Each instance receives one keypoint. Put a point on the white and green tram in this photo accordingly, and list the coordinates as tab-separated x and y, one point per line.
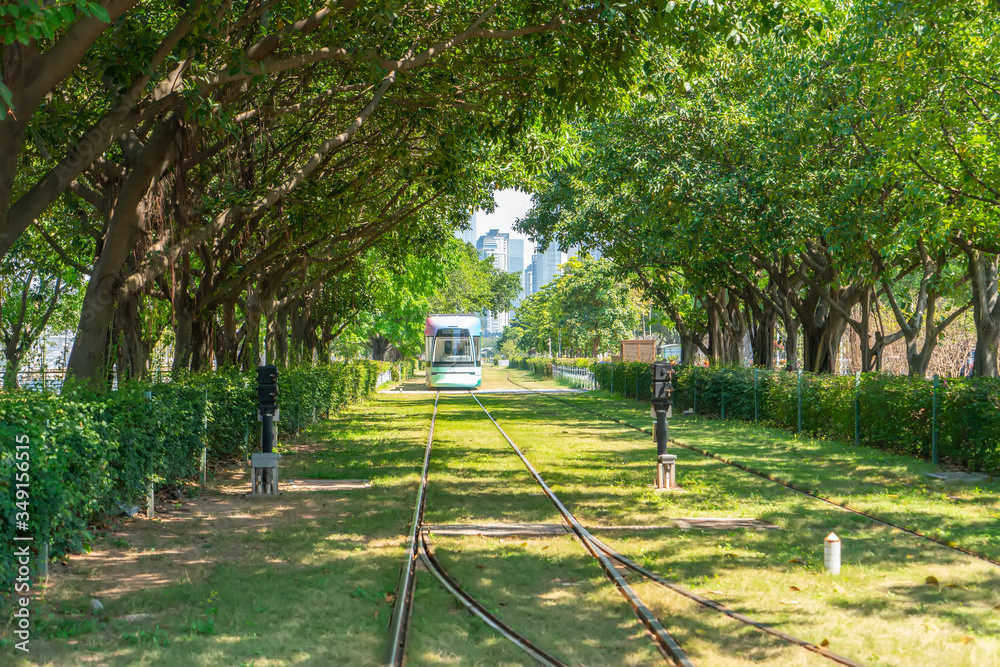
452	351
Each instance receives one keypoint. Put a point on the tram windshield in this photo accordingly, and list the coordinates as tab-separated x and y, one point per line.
453	347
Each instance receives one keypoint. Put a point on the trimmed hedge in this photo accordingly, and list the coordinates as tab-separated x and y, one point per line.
91	452
630	379
894	413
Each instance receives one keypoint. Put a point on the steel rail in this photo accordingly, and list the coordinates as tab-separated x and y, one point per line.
664	640
722	609
478	609
400	621
712	604
763	475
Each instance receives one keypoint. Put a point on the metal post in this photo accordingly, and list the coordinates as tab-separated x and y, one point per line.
246	444
42	570
661	433
857	408
612	378
934	424
800	398
722	393
150	502
204	446
756	410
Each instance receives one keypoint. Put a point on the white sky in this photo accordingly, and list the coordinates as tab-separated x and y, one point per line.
511	205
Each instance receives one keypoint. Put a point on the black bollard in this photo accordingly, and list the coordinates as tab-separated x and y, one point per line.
661	393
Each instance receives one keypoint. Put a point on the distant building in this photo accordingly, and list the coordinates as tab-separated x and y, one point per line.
468	235
496	323
496	245
515	260
545	266
526	280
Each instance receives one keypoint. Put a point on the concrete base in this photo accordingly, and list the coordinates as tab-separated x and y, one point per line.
264	473
501	529
666	475
959	476
326	484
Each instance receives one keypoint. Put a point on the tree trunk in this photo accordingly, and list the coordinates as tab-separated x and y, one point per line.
183	337
380	345
228	343
130	349
762	337
12	364
126	225
983	274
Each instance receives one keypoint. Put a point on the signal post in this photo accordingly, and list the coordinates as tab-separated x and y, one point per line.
264	464
662	393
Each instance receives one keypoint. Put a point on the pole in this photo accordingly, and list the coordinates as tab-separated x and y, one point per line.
756	411
800	398
722	393
696	394
612	377
661	433
204	444
934	424
857	408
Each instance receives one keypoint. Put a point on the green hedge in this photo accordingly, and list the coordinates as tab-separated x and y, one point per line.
894	413
630	379
90	452
542	366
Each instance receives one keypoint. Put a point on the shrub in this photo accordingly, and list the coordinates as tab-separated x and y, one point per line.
895	413
92	452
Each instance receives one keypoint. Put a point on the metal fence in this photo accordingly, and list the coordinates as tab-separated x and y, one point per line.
578	377
52	379
383	378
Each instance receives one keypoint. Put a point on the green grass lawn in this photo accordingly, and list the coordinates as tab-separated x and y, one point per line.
879	610
308	579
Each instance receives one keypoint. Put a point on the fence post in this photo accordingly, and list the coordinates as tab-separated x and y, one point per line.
934	424
612	378
204	446
695	394
722	392
756	411
857	407
800	398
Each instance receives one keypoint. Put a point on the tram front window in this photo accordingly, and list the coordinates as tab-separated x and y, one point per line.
453	347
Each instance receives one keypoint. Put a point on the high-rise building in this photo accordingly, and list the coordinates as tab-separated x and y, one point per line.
497	245
468	235
527	281
545	266
516	264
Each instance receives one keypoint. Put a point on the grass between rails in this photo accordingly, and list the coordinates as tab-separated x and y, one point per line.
880	610
880	483
549	589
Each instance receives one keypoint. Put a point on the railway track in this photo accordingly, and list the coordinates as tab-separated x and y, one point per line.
606	554
419	549
770	478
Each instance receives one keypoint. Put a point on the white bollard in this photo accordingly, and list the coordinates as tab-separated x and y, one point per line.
831	553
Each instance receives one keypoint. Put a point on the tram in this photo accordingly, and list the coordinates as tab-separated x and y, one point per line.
452	351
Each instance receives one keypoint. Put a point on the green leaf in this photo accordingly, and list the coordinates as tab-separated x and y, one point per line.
100	13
